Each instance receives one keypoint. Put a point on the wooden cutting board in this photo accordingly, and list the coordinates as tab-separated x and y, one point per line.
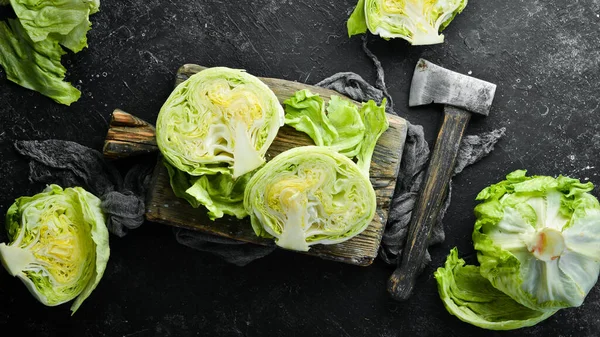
129	136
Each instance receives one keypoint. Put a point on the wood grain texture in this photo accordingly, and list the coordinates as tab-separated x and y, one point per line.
128	136
430	201
164	207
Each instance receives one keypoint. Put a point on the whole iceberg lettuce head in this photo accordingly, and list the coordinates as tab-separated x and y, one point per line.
58	244
309	195
420	22
538	239
220	120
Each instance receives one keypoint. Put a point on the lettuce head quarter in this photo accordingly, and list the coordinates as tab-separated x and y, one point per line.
58	244
309	195
220	120
420	22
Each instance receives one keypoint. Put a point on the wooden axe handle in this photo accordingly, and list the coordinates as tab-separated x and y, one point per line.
431	199
128	136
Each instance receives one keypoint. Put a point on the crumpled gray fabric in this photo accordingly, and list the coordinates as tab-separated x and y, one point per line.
355	87
71	164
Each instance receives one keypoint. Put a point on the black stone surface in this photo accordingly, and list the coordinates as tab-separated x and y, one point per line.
543	55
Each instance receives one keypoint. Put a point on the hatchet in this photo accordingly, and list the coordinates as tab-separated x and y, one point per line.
461	96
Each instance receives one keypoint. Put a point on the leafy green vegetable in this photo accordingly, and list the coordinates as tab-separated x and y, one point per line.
376	123
339	126
538	239
357	22
305	112
472	298
309	195
66	21
34	65
220	120
213	132
538	243
30	47
417	21
58	244
219	193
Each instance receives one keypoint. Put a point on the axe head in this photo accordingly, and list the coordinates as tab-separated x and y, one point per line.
434	84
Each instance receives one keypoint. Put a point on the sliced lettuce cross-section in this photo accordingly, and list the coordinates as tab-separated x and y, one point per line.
220	120
213	132
309	195
420	22
58	244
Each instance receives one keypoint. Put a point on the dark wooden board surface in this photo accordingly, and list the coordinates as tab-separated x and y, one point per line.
164	207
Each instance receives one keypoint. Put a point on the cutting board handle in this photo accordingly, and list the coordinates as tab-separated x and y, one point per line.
128	136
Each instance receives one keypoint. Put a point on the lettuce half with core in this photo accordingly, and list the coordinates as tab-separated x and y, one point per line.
339	125
220	120
420	22
58	244
538	242
213	132
309	195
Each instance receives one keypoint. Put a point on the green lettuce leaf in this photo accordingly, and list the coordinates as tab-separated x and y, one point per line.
357	23
340	126
66	21
305	112
219	193
376	123
34	65
472	298
349	126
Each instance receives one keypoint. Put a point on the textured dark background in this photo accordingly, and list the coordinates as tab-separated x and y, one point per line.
543	55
